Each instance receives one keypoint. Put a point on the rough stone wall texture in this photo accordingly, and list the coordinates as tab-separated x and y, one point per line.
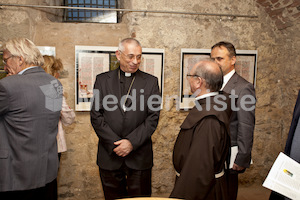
276	40
283	13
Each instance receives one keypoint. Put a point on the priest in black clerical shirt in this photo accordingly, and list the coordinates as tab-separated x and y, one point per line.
124	118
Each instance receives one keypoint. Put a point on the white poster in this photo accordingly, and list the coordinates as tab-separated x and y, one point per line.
284	177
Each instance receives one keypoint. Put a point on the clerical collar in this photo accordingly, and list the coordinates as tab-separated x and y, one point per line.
126	74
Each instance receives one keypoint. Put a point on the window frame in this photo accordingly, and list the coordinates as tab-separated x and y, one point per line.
91	16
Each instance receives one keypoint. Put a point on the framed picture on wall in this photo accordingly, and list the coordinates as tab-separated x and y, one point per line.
93	60
246	66
2	71
47	50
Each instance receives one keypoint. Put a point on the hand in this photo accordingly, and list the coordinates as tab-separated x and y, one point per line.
124	147
9	74
237	167
9	71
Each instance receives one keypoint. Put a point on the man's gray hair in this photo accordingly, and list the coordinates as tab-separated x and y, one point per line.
127	41
23	47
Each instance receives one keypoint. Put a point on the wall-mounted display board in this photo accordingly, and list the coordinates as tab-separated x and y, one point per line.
246	64
2	71
47	50
93	60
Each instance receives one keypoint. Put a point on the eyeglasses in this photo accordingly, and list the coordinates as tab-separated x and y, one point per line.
192	75
6	59
131	56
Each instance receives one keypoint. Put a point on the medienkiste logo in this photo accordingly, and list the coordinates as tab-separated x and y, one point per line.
53	95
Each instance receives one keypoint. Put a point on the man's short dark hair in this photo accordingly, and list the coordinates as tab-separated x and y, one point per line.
228	46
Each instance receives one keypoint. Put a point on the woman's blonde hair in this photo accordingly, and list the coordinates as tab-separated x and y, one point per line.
52	65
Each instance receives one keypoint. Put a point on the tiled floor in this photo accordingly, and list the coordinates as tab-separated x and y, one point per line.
254	192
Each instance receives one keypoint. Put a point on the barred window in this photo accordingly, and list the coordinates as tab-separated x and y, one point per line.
84	15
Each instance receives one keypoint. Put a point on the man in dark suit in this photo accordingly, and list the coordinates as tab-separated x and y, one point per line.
30	104
242	120
124	116
292	147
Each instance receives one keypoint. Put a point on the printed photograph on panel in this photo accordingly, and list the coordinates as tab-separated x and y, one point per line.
93	60
89	66
245	66
2	72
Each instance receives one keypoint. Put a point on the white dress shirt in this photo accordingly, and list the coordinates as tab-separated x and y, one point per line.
227	77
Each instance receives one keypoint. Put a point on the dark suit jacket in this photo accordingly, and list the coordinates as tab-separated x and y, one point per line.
136	126
294	123
241	122
28	150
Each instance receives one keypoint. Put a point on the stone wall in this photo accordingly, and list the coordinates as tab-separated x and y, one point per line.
277	81
283	13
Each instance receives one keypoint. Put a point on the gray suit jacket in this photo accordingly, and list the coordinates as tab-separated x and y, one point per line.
28	129
136	126
242	121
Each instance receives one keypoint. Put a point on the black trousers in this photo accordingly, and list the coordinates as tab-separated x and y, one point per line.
49	192
233	183
276	196
125	183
